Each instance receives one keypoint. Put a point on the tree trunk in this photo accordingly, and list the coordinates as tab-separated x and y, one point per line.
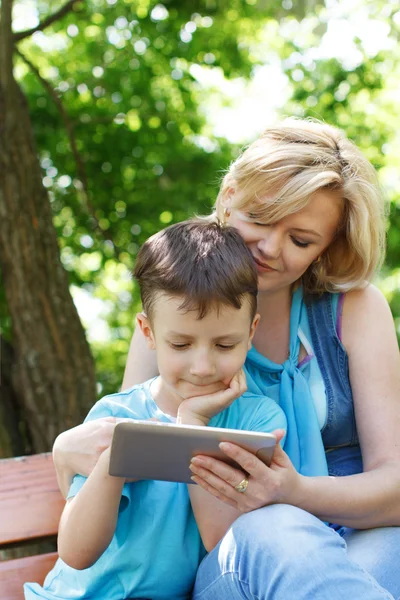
13	437
52	373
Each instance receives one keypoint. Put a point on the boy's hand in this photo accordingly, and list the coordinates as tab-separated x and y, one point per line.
200	409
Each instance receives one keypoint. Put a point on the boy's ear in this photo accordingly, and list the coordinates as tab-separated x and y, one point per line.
143	322
253	328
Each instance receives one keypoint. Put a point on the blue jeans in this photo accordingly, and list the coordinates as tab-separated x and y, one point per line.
281	552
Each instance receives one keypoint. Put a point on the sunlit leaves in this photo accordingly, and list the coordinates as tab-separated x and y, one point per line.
130	75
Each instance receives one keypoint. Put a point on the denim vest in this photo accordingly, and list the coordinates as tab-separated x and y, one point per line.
339	434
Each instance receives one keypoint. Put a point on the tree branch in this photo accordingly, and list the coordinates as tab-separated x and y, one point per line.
80	165
49	21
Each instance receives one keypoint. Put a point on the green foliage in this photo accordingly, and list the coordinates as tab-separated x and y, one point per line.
125	73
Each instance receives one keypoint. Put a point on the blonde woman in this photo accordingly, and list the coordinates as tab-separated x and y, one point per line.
323	520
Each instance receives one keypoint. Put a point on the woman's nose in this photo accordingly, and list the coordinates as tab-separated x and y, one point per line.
270	244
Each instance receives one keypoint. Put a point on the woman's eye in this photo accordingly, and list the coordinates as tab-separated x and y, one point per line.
258	223
253	218
299	243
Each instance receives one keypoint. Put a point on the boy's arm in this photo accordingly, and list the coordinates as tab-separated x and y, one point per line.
213	516
89	519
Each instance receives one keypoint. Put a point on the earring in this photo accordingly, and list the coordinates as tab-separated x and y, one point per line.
227	213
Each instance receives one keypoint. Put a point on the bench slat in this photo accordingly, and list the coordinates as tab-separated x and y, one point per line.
30	501
14	573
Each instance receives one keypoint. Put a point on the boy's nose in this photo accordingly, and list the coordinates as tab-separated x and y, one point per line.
203	365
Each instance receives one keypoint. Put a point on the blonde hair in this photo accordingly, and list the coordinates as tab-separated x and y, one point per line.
292	161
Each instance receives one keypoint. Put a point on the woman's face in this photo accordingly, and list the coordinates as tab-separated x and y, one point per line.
284	250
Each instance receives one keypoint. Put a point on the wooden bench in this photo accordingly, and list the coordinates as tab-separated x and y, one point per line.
30	510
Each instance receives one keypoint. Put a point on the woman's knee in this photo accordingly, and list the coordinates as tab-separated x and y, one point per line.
278	551
279	520
276	515
377	552
281	533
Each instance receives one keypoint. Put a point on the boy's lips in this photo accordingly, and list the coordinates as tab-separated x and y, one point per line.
202	385
208	388
265	266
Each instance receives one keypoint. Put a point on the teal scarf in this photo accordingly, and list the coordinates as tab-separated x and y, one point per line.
288	386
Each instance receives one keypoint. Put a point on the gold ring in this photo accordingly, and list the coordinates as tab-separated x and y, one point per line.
242	486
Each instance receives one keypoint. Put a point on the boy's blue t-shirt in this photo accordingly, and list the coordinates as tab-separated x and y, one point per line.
156	548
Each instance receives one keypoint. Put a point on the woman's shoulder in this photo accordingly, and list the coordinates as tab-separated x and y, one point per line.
364	310
366	299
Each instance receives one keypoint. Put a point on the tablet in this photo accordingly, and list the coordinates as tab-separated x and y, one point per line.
162	451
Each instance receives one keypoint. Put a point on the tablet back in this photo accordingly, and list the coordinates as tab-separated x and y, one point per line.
162	451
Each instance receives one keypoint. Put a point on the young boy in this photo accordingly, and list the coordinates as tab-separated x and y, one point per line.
145	539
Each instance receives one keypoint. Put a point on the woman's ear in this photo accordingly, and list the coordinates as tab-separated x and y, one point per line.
226	204
143	322
253	328
226	200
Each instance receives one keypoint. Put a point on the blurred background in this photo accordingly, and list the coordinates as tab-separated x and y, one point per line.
134	109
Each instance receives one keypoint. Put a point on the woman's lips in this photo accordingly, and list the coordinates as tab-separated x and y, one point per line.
263	266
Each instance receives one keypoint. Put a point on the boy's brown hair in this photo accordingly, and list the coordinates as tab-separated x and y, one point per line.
207	263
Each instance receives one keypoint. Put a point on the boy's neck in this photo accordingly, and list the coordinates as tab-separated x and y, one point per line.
166	399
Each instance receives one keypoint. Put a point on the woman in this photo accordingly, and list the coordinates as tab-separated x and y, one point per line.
308	206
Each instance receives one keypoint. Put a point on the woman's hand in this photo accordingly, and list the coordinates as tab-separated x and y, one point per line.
83	445
200	409
278	483
77	450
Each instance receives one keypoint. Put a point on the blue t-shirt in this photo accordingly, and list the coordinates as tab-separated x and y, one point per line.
156	548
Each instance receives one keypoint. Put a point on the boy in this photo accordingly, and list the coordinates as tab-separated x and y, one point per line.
145	539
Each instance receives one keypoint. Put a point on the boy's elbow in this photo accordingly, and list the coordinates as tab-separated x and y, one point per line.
76	560
209	547
210	541
76	564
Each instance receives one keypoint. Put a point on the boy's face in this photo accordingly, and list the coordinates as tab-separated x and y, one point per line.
198	357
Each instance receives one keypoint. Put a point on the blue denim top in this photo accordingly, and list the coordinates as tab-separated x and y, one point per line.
333	441
339	433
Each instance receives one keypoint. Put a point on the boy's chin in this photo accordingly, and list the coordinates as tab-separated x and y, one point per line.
194	391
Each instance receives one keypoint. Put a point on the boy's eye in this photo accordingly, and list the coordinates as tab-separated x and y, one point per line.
226	346
299	243
178	346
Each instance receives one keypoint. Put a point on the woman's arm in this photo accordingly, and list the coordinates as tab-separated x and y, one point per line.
369	499
78	450
141	363
89	519
369	337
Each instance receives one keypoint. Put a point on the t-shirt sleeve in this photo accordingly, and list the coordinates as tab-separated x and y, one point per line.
267	417
111	406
